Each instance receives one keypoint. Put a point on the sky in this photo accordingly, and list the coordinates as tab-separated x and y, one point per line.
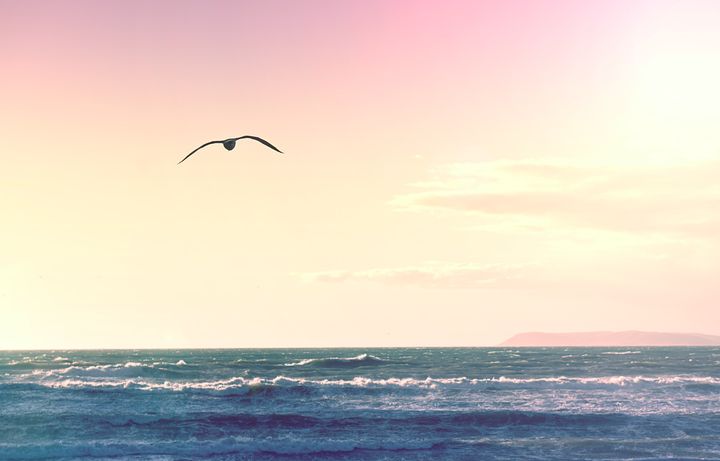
455	172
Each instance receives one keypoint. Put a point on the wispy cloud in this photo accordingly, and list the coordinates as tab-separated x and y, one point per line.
679	200
429	275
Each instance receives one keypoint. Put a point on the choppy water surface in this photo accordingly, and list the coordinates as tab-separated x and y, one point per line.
485	403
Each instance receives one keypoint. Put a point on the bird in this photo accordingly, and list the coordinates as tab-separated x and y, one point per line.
229	144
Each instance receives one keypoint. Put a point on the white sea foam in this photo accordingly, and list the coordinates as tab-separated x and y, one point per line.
127	369
181	363
615	380
621	353
240	383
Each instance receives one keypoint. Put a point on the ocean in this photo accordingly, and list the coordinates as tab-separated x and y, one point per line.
361	404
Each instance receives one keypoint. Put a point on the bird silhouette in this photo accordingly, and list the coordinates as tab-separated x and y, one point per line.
229	144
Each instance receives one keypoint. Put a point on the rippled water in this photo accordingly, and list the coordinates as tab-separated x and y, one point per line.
484	403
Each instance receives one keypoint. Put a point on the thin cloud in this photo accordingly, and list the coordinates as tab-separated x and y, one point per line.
429	275
681	200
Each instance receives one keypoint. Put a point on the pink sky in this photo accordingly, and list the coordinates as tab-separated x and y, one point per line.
456	172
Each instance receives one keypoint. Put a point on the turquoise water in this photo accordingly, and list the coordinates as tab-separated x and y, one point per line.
374	404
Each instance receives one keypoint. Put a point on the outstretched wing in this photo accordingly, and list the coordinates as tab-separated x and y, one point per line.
206	144
260	140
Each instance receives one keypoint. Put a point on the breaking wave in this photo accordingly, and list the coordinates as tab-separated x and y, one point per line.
248	385
621	352
357	361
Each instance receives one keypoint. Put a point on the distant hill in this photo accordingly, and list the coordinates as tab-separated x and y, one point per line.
612	338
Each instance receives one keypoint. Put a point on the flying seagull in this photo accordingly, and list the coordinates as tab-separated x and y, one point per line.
229	144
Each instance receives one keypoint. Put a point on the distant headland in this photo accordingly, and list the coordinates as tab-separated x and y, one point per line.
611	338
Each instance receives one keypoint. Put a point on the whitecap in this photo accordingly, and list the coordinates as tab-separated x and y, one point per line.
53	378
358	360
300	363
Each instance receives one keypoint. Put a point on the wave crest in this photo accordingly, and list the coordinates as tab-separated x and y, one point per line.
357	361
257	385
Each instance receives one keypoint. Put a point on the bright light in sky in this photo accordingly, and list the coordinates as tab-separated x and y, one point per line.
455	172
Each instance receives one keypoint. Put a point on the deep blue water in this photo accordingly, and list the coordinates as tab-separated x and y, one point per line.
361	404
